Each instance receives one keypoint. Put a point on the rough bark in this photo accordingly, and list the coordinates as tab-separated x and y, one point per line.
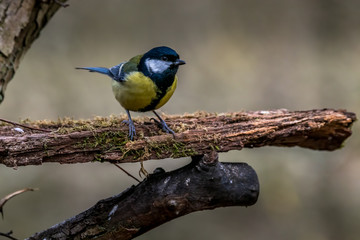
203	184
105	139
20	24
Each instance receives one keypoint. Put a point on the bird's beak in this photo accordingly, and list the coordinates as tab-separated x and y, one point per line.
178	62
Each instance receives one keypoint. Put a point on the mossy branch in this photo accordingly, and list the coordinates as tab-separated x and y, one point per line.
105	139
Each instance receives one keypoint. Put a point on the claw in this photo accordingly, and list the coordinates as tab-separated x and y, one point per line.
161	123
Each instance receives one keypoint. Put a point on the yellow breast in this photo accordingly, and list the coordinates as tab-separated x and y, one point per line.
139	91
136	93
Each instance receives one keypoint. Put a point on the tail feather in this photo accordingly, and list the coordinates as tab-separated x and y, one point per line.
102	70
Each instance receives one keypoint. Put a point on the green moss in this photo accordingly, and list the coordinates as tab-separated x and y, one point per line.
68	125
175	149
181	150
214	147
172	149
98	158
106	141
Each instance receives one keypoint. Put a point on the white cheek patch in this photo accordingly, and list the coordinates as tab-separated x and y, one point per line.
156	66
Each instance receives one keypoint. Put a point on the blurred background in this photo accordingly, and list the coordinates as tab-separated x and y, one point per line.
241	55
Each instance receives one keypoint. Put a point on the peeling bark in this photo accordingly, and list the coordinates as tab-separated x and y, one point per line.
105	139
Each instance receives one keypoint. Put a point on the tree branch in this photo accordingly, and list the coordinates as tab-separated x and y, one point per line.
21	23
203	184
105	139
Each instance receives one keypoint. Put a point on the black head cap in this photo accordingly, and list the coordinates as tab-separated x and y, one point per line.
161	52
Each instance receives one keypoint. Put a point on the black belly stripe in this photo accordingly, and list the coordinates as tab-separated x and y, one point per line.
162	90
154	102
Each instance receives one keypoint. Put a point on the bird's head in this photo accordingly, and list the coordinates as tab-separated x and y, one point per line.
160	61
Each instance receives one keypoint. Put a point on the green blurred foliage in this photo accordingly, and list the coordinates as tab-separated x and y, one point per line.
241	55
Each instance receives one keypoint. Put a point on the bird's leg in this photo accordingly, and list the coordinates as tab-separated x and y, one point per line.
132	131
162	124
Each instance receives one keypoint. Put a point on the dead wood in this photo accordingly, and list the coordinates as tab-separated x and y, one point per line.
203	184
105	139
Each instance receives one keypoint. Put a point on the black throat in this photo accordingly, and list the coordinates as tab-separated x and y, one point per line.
163	82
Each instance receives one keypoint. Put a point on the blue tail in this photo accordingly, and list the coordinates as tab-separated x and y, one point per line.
102	70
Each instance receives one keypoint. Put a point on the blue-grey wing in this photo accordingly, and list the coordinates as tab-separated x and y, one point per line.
117	72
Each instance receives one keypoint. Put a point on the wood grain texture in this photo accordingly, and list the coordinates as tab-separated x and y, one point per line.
105	139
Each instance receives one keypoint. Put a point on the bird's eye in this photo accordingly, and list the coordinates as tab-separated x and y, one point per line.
164	58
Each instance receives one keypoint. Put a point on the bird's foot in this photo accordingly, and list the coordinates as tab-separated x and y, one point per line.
132	131
162	124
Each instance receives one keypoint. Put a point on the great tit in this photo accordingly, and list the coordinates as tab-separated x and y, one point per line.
144	83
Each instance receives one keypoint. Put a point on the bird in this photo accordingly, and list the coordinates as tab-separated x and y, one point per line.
144	83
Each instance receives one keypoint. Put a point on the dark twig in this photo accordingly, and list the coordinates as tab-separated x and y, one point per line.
8	235
24	126
127	173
